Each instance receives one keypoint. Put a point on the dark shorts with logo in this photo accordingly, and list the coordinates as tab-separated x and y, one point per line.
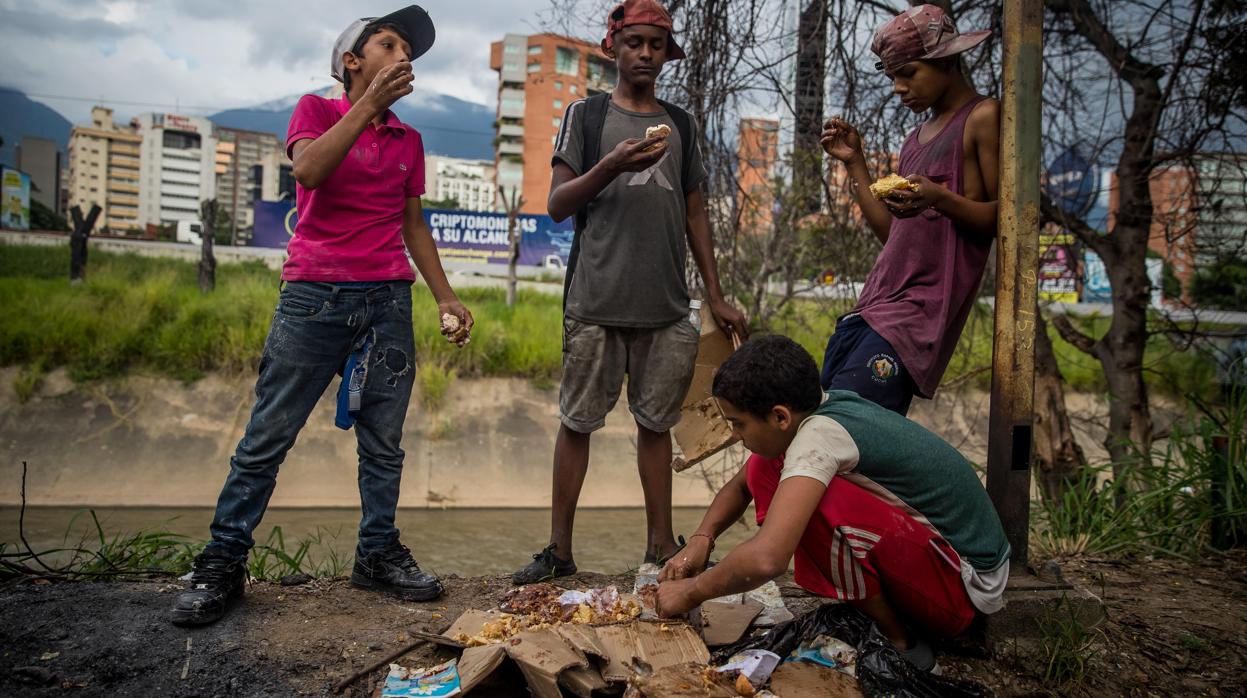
858	359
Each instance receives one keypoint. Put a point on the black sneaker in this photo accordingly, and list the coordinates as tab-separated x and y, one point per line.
544	567
395	571
216	582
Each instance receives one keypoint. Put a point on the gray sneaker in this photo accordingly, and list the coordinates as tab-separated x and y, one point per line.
544	567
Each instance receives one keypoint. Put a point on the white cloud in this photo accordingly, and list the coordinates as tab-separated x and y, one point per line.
203	57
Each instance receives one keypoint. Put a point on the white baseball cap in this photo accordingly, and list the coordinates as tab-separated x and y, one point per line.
414	22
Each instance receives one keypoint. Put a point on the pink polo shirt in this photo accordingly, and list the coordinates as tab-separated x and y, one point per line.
350	227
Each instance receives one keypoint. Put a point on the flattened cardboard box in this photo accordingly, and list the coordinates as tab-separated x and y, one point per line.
702	431
580	658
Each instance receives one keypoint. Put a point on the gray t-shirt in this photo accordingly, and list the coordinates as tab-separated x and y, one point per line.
633	249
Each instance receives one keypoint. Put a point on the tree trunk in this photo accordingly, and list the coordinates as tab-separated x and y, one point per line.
514	203
1058	457
78	242
1120	352
207	259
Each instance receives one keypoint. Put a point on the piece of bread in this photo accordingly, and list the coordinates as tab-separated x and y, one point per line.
886	185
661	131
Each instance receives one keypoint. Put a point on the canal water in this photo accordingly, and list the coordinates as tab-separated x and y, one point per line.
468	542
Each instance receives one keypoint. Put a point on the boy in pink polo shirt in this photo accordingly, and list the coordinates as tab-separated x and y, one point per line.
345	306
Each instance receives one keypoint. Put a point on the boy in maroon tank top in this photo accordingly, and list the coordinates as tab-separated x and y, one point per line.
898	339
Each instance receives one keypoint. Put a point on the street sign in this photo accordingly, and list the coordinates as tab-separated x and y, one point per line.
1071	183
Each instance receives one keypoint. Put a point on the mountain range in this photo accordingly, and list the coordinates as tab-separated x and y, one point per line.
449	126
22	116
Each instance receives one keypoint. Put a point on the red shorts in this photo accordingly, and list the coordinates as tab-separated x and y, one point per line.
857	546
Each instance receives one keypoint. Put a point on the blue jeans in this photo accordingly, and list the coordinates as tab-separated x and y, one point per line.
315	328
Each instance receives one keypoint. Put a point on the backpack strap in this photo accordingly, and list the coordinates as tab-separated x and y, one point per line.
683	124
591	139
591	146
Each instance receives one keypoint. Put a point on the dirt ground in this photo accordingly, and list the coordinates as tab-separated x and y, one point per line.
1172	629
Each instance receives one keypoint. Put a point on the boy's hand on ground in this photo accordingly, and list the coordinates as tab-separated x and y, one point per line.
689	562
730	320
391	84
463	332
841	140
675	598
907	204
633	155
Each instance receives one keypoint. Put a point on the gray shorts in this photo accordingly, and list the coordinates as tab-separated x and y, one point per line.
657	361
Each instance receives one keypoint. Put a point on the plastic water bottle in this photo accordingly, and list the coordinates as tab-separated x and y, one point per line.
694	314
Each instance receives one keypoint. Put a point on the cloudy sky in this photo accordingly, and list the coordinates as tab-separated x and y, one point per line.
206	55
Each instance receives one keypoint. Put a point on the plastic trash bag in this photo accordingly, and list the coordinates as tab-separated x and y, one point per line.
881	671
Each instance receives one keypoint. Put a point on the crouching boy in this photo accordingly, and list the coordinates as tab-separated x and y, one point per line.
878	512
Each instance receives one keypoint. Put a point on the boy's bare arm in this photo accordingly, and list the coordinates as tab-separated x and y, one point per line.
759	559
569	193
728	506
423	251
700	241
977	209
842	141
316	159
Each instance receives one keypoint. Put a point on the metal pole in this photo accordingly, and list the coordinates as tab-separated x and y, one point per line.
1009	444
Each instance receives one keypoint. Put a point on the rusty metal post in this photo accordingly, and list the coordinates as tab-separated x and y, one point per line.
1009	443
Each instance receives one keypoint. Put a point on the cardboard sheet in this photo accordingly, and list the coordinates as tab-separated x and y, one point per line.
580	658
702	431
725	623
811	680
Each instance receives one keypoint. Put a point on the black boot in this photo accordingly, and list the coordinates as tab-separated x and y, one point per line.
544	567
394	570
216	582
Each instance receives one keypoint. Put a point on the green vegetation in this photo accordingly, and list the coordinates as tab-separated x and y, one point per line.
139	313
1069	643
127	555
1171	370
1163	505
433	380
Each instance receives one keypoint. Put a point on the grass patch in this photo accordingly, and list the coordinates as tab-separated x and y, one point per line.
433	381
148	314
28	381
111	557
1068	643
1162	504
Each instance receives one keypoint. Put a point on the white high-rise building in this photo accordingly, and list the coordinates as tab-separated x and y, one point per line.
178	167
470	182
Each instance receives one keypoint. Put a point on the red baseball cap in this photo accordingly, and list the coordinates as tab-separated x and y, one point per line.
920	33
630	12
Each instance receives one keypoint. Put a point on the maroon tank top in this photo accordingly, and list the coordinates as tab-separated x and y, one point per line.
925	280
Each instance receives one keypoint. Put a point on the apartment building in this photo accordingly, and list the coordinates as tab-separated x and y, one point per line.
245	172
104	166
470	182
178	166
757	150
538	76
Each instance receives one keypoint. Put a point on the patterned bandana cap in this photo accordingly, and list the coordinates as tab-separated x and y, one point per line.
632	12
920	33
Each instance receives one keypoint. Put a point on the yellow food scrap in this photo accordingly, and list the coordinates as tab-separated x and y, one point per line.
886	185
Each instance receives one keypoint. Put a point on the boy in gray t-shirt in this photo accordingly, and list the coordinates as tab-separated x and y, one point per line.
627	300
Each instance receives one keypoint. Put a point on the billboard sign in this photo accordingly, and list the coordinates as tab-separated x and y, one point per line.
470	236
1058	268
461	236
1095	284
14	199
1071	183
